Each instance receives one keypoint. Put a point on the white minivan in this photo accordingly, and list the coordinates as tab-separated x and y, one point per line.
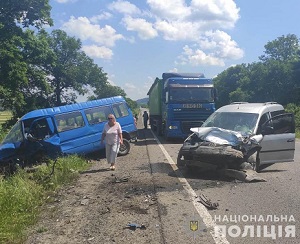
239	123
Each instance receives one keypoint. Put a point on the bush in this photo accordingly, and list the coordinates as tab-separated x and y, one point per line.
295	109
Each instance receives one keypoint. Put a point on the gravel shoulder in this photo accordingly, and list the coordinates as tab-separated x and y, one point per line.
143	190
99	206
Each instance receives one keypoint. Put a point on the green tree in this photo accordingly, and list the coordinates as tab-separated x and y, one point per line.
108	91
227	82
275	78
18	14
16	67
72	70
284	48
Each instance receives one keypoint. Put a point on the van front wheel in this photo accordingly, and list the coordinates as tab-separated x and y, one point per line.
125	148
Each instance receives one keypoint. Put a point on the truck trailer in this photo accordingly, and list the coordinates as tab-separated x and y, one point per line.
180	101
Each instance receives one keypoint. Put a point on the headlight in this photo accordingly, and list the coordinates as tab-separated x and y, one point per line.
173	127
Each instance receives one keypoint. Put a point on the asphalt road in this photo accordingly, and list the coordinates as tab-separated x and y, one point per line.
261	212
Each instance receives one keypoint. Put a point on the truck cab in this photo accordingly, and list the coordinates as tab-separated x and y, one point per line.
180	101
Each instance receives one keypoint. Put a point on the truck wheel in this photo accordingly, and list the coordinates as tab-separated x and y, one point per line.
125	148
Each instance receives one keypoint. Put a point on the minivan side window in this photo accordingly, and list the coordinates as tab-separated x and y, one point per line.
69	121
262	120
97	115
282	124
120	110
274	113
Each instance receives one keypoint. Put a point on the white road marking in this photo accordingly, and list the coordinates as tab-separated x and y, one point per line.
202	211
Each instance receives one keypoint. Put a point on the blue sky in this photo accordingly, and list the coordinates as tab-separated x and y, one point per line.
135	41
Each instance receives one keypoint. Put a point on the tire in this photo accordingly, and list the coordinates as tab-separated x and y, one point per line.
125	148
255	162
180	162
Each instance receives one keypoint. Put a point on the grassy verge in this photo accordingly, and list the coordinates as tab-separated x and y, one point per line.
23	194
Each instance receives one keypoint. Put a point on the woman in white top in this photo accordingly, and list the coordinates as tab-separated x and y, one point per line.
112	132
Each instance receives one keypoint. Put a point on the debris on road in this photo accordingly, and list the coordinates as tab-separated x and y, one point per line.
207	202
120	179
248	175
133	226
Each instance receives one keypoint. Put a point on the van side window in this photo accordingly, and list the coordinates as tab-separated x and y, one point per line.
120	110
97	115
274	113
40	129
69	121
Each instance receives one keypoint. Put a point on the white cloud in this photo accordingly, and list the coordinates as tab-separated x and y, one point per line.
178	30
174	70
145	29
85	30
175	20
97	18
224	46
214	49
216	12
124	7
198	57
170	9
200	23
94	51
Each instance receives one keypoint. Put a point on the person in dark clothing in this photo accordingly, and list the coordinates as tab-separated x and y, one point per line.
145	117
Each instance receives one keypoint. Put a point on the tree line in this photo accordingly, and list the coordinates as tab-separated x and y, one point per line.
40	69
274	78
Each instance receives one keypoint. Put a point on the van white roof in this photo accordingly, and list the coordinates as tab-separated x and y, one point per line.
258	108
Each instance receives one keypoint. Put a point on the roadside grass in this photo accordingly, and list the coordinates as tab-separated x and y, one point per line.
23	194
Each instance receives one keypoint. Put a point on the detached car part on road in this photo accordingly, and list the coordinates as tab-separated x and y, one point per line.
259	134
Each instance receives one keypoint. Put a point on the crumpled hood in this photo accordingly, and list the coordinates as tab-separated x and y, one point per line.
225	137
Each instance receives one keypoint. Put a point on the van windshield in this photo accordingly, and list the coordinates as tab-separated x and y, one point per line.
242	122
15	134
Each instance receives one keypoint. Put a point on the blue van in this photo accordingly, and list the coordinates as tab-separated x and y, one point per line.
68	129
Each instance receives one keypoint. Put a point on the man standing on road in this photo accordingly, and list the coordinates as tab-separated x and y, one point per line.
145	117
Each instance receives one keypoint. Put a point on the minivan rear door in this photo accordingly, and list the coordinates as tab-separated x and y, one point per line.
278	144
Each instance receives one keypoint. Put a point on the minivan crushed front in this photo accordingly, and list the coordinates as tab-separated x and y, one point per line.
217	148
241	135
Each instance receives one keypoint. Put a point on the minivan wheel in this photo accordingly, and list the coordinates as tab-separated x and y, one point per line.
256	165
125	148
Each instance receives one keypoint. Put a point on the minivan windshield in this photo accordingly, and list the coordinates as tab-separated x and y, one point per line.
242	122
15	134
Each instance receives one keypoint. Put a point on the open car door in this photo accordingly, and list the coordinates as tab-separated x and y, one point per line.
278	144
